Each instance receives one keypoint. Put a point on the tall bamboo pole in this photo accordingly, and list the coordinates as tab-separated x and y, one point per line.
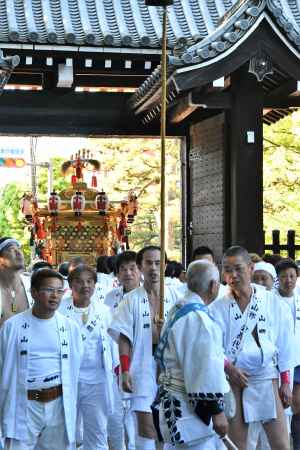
163	163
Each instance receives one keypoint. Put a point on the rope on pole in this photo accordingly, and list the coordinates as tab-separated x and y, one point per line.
163	163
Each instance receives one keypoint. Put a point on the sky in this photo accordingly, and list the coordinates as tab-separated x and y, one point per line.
47	147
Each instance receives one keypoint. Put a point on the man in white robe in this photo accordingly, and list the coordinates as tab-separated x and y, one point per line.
40	355
137	329
129	278
95	389
14	286
287	292
191	357
257	337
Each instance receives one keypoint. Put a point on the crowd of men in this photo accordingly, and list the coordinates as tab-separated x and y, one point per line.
86	361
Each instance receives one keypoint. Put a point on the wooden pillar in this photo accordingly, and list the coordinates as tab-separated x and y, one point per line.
244	163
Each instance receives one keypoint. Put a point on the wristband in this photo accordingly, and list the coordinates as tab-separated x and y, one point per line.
285	377
125	363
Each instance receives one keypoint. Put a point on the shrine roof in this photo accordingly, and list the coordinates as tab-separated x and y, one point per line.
107	23
228	30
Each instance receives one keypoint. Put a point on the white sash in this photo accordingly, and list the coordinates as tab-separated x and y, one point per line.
243	324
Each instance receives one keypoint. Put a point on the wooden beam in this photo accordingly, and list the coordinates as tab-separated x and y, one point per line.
195	100
64	112
285	89
244	166
282	103
215	100
183	108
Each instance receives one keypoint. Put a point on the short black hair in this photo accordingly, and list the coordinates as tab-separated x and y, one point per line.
111	263
174	269
40	275
79	270
125	257
237	250
102	264
284	264
76	261
148	248
41	265
63	268
203	250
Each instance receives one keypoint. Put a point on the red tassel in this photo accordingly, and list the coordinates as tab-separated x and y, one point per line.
73	179
94	181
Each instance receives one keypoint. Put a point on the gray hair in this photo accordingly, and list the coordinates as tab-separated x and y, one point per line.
200	274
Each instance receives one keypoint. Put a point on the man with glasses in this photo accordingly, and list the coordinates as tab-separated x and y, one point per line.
40	355
14	292
257	337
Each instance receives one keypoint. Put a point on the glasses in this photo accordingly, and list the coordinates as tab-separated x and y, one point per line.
49	290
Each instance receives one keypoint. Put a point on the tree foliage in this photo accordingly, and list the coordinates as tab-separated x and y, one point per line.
282	176
135	164
11	219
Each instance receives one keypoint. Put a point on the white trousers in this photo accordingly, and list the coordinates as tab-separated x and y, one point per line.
129	424
115	421
92	408
46	428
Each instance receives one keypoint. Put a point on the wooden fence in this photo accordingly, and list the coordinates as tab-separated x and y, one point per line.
277	247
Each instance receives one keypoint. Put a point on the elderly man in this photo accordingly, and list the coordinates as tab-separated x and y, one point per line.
257	337
136	325
40	356
14	292
191	357
95	390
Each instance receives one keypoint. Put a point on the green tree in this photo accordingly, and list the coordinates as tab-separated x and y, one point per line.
135	164
11	219
282	176
59	181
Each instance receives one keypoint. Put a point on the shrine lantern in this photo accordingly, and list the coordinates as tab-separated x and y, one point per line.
102	203
78	203
132	207
54	203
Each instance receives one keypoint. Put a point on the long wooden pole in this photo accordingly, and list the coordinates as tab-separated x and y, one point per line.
163	163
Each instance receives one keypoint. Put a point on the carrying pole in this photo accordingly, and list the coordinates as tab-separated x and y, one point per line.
163	163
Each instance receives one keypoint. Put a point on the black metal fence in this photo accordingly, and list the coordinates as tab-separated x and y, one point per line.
278	247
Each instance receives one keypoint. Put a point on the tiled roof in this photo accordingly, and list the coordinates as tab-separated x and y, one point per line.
120	23
227	32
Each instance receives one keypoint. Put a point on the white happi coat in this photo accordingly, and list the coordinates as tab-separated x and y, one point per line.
192	360
113	297
98	322
273	322
15	338
132	318
294	306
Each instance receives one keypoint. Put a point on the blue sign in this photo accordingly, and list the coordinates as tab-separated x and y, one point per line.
11	151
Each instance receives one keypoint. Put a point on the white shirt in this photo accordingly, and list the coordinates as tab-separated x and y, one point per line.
91	369
44	354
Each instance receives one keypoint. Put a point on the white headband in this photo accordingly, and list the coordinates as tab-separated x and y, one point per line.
267	267
8	242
